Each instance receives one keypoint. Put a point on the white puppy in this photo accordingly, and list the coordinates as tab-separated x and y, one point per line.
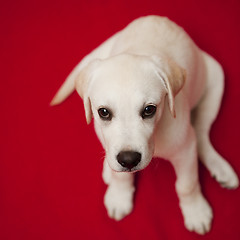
153	92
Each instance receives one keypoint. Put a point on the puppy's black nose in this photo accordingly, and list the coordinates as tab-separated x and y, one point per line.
129	159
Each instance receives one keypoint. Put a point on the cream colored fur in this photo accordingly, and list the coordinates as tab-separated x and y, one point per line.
154	61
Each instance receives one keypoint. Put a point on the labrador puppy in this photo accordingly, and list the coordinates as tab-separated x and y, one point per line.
153	93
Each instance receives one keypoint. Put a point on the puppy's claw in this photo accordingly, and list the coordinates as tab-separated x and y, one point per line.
223	173
229	181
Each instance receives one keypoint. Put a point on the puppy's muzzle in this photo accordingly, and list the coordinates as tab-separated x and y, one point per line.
129	159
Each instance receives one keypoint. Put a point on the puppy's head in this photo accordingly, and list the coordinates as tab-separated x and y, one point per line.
125	94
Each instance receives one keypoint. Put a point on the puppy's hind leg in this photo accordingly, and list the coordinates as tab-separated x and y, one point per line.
196	211
203	116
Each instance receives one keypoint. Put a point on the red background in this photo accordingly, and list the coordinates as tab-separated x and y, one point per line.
51	161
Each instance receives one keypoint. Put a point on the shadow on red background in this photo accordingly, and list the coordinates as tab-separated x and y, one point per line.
51	161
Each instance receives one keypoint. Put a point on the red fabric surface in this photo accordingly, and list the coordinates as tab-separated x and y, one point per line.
51	161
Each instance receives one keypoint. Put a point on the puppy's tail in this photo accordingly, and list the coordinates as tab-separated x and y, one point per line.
67	88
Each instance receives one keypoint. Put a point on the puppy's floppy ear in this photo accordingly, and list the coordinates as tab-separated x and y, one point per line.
82	86
173	77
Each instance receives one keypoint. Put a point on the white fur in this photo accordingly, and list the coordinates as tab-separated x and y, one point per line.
154	61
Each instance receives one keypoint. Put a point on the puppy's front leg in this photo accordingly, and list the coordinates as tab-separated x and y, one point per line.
195	209
106	173
118	199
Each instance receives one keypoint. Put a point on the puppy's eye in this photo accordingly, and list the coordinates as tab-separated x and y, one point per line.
149	111
104	114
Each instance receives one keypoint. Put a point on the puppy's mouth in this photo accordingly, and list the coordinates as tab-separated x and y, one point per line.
133	170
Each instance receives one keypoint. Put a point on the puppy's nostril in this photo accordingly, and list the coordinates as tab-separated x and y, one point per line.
129	159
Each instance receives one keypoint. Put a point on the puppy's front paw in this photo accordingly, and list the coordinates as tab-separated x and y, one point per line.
197	215
118	202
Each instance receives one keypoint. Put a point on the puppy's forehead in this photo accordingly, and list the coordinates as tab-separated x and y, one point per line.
122	69
125	76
